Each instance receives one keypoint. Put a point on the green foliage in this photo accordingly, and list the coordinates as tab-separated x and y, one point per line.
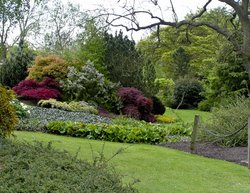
39	168
227	78
89	84
14	69
48	66
164	119
180	63
228	124
79	106
166	90
126	64
8	117
21	109
109	132
187	93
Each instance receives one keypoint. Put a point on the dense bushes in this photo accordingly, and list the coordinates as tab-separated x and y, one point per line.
90	85
187	93
8	117
135	104
110	132
228	124
80	106
30	89
38	168
49	66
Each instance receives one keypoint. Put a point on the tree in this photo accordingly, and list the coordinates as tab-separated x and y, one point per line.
63	22
237	35
8	21
180	63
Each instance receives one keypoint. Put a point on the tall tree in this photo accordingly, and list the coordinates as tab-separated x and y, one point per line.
238	37
8	21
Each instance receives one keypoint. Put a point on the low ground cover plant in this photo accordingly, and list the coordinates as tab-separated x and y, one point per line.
74	106
37	168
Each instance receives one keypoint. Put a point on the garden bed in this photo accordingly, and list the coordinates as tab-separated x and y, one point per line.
231	154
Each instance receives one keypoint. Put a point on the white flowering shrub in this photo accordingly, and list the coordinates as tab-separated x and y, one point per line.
88	84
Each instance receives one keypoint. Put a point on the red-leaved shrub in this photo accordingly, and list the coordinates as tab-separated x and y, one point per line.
136	105
129	95
30	89
40	94
131	111
25	85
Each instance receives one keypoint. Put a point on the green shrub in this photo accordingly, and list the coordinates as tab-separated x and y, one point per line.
79	106
187	93
166	90
8	117
21	109
38	168
228	124
50	66
109	132
165	119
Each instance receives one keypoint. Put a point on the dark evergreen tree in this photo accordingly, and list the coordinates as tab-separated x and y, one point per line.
125	64
14	69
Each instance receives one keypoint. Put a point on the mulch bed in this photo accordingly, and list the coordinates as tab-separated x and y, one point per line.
233	154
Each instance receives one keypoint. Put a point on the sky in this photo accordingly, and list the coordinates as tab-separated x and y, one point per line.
182	7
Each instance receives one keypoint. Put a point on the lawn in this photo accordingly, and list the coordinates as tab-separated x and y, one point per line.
187	115
159	169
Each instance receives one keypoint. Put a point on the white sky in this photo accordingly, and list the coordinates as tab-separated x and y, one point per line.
182	7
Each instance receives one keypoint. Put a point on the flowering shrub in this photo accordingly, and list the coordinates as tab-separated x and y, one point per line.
135	104
89	84
30	89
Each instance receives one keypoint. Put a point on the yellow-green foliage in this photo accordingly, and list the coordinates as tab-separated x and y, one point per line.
71	106
165	119
51	66
8	117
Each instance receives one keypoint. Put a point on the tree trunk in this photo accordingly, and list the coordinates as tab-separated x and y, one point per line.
246	46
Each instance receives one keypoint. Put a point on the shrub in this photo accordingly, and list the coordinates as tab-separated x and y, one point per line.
49	66
135	104
90	85
40	93
8	117
35	167
129	95
131	111
21	109
14	69
166	90
165	119
228	124
30	89
158	107
187	93
80	106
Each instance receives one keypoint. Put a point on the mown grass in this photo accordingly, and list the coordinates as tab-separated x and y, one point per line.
187	115
160	170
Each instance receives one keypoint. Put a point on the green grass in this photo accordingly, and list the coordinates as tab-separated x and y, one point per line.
187	115
159	169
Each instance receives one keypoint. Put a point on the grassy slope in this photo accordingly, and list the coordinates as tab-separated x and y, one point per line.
187	115
159	169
